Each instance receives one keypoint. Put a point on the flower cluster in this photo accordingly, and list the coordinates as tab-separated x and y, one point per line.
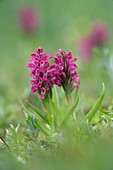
97	38
66	71
99	34
61	73
29	19
41	72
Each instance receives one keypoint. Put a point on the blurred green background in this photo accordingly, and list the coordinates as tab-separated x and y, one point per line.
62	24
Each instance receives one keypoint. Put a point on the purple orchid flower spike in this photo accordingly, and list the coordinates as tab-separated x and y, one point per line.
29	20
61	73
41	72
67	76
97	38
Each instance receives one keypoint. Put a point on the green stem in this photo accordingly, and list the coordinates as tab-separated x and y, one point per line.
68	97
48	106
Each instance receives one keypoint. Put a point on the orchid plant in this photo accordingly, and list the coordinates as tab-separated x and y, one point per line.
46	75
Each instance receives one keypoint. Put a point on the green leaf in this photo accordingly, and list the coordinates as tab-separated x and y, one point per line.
29	123
33	120
105	111
57	110
38	111
50	114
71	111
42	126
94	109
56	97
25	109
37	122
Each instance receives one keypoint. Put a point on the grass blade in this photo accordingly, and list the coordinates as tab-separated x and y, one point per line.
37	122
37	111
94	109
70	112
56	97
40	125
57	110
25	109
105	111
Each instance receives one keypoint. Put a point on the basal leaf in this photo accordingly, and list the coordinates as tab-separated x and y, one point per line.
25	109
38	111
70	112
37	122
42	126
105	111
94	109
57	110
56	97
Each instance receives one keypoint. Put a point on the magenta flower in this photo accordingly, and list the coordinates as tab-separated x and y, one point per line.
66	75
41	71
29	20
86	47
96	39
99	34
45	75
